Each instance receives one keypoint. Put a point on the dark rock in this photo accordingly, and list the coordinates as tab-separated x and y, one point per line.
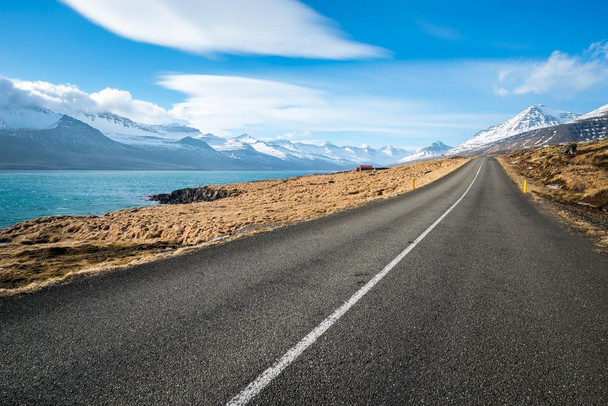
193	195
570	149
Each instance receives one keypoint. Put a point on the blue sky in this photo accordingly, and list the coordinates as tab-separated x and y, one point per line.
352	72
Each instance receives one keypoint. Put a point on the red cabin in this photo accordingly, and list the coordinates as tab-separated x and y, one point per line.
364	168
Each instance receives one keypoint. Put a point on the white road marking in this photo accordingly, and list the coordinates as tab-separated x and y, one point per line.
294	352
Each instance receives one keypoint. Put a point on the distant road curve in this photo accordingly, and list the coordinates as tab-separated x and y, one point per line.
461	291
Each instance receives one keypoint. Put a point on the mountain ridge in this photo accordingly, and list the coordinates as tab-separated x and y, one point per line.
169	146
535	127
534	117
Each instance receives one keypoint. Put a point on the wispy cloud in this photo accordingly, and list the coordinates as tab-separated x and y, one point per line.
264	27
440	31
561	75
223	103
226	104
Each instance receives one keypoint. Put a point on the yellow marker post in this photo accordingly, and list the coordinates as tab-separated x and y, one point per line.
413	184
525	186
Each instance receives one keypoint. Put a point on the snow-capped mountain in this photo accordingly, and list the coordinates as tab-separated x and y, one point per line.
534	117
123	129
588	127
433	151
167	146
28	118
595	114
284	153
326	153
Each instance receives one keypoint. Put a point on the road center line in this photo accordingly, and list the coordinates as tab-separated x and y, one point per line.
294	352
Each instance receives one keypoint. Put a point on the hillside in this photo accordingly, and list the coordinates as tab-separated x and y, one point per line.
575	184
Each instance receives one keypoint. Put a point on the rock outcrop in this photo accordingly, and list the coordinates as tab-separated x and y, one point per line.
193	195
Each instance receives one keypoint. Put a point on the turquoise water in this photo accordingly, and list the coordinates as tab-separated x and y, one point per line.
25	195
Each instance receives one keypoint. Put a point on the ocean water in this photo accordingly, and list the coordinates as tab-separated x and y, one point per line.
26	195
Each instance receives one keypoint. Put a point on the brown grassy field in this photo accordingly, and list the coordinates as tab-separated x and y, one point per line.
573	185
45	250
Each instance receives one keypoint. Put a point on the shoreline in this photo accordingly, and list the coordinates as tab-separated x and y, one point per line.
35	194
40	252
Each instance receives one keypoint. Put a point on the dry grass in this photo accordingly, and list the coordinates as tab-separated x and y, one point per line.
45	250
574	186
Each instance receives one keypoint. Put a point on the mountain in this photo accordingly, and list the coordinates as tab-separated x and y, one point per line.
596	114
65	144
534	117
28	118
433	151
40	138
124	130
589	127
298	154
69	143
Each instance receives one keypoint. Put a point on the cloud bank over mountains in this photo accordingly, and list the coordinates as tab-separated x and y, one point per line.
69	99
264	27
230	105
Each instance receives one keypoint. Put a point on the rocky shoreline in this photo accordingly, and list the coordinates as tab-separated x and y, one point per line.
193	195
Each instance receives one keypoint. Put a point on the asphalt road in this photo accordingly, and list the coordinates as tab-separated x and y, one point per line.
497	304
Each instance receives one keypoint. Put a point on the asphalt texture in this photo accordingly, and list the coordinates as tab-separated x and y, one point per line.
499	304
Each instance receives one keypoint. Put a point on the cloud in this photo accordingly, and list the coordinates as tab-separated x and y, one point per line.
226	105
10	97
440	31
223	103
69	99
122	103
561	74
264	27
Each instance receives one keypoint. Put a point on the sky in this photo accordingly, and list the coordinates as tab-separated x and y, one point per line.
351	72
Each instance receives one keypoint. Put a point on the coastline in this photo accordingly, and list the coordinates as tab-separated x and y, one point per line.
47	250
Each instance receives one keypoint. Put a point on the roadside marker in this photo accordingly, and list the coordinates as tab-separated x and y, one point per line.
525	186
255	387
413	184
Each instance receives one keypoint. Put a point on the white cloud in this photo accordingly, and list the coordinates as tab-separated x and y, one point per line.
264	27
226	105
122	103
223	103
561	74
69	99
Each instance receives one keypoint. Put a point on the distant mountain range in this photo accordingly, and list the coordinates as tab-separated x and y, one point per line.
435	150
36	138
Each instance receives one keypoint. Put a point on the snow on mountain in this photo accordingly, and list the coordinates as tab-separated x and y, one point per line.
179	139
595	114
534	117
259	146
433	151
28	118
297	152
125	130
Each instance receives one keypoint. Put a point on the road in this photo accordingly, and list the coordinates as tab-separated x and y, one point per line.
497	303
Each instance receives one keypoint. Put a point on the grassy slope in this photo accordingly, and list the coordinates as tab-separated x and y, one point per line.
573	185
